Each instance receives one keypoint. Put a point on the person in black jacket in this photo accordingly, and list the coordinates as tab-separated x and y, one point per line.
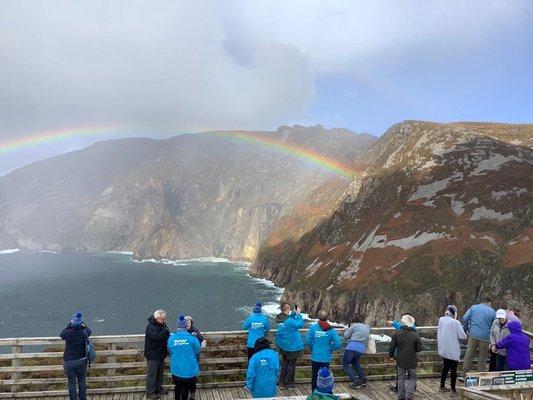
404	345
75	358
155	351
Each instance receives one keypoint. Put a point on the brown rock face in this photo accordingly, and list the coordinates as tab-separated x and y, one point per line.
440	214
213	194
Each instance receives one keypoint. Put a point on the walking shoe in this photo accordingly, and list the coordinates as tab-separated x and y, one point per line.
443	390
355	385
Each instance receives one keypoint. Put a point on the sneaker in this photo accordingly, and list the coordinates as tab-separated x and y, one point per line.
355	385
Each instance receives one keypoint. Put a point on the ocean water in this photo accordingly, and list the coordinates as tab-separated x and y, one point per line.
39	292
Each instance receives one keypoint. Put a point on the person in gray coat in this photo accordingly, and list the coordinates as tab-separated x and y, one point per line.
498	331
357	336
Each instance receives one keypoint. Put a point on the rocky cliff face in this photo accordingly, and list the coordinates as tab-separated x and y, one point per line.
438	214
190	196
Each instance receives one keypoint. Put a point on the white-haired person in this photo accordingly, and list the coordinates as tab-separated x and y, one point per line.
405	345
155	351
449	332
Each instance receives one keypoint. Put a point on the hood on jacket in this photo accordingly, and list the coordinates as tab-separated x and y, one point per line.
153	321
324	325
514	327
281	317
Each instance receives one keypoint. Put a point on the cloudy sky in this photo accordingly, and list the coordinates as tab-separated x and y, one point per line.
156	69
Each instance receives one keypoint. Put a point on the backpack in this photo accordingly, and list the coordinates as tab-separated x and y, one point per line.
89	350
371	346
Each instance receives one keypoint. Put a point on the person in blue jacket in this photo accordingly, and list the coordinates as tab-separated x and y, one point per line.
477	323
263	370
183	349
290	343
257	326
322	340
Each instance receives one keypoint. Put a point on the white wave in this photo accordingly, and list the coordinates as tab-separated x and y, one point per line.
271	309
269	284
99	319
9	251
128	253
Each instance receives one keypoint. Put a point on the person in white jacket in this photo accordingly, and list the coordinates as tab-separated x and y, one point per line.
449	332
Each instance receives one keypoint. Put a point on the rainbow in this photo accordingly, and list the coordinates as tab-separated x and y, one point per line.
303	153
35	139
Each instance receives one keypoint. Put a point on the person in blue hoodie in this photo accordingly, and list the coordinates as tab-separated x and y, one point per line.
183	349
324	386
75	358
477	323
263	370
257	326
322	340
290	343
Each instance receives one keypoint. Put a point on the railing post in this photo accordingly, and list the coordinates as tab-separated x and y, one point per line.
111	359
15	362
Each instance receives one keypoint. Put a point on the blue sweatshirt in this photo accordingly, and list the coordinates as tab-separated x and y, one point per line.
288	337
257	324
478	320
262	373
322	342
183	348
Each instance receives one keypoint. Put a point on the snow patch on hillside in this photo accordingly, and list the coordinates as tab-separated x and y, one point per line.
487	213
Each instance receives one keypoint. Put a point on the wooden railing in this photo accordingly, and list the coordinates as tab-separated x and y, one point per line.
121	367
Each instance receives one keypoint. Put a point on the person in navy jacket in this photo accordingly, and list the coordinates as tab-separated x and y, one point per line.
75	358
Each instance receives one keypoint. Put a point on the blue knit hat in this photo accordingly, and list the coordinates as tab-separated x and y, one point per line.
182	322
257	308
325	381
77	319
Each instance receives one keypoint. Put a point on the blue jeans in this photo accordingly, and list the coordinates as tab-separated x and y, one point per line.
76	371
350	359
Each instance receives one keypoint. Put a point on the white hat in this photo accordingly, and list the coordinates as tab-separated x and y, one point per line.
501	313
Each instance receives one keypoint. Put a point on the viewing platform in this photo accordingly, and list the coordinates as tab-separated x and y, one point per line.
32	367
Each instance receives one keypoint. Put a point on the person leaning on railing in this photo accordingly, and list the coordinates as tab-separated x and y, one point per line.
75	358
290	343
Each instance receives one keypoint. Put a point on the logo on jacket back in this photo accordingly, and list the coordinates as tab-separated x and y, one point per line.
181	342
257	325
263	362
320	333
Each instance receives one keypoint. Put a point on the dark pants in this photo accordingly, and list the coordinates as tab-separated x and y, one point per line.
183	386
249	352
154	376
315	367
350	364
406	375
76	371
449	366
288	370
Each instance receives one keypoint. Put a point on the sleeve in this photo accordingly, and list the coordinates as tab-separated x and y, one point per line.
460	331
335	340
250	374
418	344
246	324
295	322
309	339
396	324
492	337
199	336
278	370
88	331
392	347
466	318
64	333
504	343
196	346
348	332
168	346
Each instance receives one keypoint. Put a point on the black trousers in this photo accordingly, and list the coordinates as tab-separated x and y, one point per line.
288	370
249	352
315	367
183	387
449	366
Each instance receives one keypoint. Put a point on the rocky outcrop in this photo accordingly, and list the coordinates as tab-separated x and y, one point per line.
202	195
438	214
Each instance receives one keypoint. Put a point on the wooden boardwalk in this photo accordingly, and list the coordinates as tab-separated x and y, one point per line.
427	388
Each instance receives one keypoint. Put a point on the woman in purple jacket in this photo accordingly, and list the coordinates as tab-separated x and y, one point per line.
517	346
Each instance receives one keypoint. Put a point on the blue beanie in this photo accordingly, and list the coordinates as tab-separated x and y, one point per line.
77	319
257	308
325	381
182	322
